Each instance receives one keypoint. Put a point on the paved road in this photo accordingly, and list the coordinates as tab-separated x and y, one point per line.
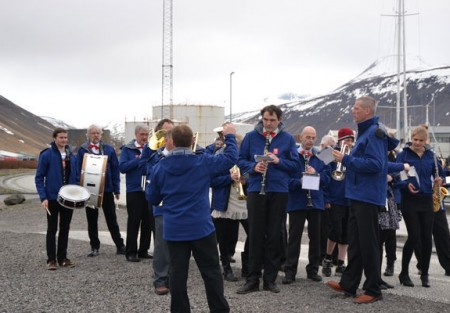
440	291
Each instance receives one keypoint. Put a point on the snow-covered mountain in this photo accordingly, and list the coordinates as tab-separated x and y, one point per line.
57	123
331	111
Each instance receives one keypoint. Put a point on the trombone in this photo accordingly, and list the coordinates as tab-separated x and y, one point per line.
339	173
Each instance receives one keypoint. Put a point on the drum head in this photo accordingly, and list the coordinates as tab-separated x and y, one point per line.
73	196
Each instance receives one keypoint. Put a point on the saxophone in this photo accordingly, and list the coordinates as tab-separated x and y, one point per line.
439	193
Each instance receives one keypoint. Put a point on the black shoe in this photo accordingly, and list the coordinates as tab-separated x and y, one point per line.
248	287
425	281
314	277
288	279
405	280
145	255
229	276
327	264
121	250
272	287
385	285
132	258
94	252
389	271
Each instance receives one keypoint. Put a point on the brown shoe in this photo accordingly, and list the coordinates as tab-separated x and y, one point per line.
337	287
161	290
51	265
366	299
66	263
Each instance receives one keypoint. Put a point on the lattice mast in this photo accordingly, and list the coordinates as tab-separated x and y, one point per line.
167	59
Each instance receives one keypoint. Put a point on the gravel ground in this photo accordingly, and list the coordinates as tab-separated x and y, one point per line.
108	283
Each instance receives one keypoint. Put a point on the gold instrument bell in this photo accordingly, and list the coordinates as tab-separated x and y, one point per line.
157	140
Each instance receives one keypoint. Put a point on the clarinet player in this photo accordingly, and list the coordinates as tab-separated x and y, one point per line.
267	195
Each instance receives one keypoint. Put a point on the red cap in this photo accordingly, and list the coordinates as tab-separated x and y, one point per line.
344	133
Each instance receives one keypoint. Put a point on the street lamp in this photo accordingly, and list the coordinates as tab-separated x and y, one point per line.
231	95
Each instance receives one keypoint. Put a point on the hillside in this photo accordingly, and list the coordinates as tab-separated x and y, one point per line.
21	131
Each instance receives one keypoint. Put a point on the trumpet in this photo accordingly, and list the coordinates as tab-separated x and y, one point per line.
237	184
157	140
339	173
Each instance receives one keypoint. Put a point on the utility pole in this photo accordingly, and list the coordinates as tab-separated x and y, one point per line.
167	61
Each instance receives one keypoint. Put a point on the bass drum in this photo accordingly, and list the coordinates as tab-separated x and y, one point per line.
93	173
73	196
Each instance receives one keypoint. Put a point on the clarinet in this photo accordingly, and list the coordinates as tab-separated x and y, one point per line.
266	149
308	194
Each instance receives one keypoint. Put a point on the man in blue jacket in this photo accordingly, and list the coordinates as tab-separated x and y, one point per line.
95	145
56	167
366	187
181	181
267	195
306	203
139	214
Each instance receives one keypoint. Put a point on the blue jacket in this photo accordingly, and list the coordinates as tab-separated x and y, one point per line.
220	186
394	170
150	159
425	168
49	174
112	176
366	176
278	175
182	182
297	196
130	165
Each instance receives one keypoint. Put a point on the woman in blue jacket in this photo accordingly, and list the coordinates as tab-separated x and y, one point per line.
417	203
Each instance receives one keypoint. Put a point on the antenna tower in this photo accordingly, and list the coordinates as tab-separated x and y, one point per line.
167	67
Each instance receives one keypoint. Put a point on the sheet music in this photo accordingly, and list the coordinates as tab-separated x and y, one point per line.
310	181
326	155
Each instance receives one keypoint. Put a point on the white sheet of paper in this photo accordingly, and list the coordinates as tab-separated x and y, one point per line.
310	181
447	180
326	155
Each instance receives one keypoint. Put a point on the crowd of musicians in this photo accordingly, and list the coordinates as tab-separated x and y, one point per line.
353	192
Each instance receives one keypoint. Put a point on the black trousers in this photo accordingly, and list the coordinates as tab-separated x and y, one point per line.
388	239
65	217
265	216
363	249
441	237
109	209
225	228
296	225
206	256
140	216
419	225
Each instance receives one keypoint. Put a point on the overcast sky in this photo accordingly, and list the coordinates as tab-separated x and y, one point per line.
96	61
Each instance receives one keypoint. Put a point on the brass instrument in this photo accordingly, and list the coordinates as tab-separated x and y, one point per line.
266	149
237	184
439	193
339	173
157	140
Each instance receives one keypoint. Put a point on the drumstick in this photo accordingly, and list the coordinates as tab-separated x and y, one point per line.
48	211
